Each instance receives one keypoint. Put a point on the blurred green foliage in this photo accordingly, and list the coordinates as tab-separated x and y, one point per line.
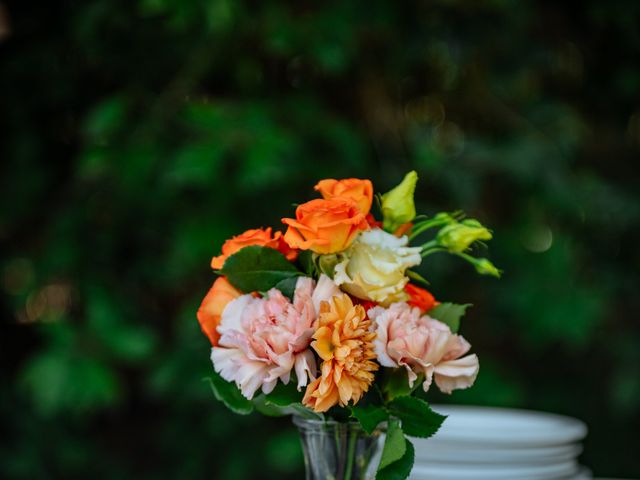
138	135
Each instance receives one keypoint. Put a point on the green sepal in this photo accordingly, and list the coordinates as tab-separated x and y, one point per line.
327	264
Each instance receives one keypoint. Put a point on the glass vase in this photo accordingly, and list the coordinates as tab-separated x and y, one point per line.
338	450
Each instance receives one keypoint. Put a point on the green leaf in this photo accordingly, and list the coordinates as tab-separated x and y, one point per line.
416	277
105	119
307	262
418	420
287	286
229	394
300	409
394	383
59	380
107	319
262	406
369	416
257	269
450	314
284	395
285	400
400	469
394	445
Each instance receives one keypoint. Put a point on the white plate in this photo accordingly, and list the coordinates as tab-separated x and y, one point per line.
504	472
483	427
428	451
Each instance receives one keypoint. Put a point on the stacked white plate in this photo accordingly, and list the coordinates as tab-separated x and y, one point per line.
498	443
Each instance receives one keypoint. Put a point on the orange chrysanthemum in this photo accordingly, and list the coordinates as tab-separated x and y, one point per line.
344	341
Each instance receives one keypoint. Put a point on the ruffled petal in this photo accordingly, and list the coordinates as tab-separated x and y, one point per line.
457	374
305	366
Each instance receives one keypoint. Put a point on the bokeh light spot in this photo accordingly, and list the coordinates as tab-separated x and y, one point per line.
538	239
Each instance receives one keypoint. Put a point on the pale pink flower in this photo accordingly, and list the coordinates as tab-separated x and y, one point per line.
263	339
422	345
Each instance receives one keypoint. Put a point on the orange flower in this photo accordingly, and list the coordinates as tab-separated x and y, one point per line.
403	229
360	191
256	236
325	226
344	341
373	223
419	297
210	311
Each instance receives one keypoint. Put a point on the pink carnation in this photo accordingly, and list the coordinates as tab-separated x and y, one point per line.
422	345
263	339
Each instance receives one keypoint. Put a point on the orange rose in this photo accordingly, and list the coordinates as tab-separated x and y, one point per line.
360	191
210	311
325	226
419	297
256	236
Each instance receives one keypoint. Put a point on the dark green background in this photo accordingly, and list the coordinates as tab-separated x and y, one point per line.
138	134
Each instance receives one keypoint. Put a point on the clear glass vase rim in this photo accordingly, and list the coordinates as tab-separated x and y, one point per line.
305	422
301	420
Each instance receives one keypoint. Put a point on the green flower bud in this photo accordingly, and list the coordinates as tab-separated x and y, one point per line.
327	263
398	206
444	217
485	267
458	237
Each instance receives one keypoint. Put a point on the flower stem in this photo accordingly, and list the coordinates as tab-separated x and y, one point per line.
418	228
428	245
353	437
426	253
468	258
340	453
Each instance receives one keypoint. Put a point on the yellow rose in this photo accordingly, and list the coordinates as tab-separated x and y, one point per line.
374	267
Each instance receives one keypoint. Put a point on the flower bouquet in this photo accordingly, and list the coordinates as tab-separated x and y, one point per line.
327	322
